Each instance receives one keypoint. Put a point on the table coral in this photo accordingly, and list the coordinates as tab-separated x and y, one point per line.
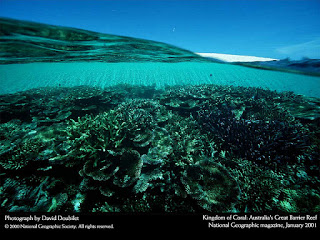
140	149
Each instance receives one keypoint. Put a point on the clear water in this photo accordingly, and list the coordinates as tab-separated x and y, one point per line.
20	77
38	55
72	147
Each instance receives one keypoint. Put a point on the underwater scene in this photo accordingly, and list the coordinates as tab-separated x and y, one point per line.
91	122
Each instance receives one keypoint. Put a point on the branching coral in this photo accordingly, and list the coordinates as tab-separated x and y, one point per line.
92	136
191	148
298	200
25	197
18	157
259	187
265	142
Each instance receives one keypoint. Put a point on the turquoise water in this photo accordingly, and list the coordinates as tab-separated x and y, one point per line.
91	122
20	77
37	55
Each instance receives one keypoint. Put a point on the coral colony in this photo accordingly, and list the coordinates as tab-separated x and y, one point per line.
132	145
139	149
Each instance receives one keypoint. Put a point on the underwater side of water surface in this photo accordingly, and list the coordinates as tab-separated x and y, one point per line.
38	55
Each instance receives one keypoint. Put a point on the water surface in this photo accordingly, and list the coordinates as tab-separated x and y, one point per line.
38	55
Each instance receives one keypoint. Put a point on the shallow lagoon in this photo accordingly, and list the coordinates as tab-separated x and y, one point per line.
20	77
88	123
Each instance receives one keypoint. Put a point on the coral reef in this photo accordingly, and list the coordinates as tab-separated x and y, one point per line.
204	148
263	141
211	185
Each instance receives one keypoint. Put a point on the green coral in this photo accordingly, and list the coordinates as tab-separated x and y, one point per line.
259	187
92	136
18	157
179	149
211	185
298	200
32	197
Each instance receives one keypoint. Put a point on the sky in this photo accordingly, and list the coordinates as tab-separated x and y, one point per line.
263	28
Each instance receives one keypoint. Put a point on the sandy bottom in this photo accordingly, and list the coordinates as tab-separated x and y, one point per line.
20	77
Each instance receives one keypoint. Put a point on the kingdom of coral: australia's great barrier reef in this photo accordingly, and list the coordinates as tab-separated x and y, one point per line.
199	149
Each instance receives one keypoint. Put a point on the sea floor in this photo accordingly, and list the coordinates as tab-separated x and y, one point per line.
126	148
21	77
